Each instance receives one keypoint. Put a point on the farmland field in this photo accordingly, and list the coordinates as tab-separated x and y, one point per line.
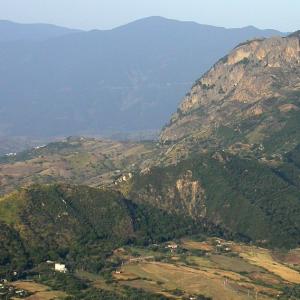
38	291
205	268
210	269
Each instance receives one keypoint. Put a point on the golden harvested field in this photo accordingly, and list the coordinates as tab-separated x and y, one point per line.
149	286
236	272
263	258
215	283
39	291
205	246
30	286
51	295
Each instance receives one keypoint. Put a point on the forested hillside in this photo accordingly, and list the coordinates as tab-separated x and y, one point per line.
80	226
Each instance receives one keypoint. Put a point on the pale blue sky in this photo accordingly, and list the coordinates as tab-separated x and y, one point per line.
104	14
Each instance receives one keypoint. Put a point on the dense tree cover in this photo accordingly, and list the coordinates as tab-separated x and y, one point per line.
288	136
80	226
13	255
290	293
249	198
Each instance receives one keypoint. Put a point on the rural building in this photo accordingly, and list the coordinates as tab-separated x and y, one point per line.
60	268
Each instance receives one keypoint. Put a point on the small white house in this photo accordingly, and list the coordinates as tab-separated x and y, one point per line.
60	268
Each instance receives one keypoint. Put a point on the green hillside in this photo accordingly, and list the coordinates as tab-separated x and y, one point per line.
248	197
78	225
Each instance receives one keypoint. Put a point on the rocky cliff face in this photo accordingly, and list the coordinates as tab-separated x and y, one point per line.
256	77
177	192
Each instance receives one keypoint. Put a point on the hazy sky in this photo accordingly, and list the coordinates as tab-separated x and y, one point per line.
103	14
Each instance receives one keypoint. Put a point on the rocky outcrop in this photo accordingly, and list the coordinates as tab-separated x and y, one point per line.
179	193
191	194
237	86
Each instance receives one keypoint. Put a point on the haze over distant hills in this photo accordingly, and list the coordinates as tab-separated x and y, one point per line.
57	82
11	31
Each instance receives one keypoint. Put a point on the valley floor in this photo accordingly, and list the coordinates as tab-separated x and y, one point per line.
187	269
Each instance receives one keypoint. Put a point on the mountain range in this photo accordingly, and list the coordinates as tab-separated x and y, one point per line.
237	128
226	165
101	82
13	32
233	144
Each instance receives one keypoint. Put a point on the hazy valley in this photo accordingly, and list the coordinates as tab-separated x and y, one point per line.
119	82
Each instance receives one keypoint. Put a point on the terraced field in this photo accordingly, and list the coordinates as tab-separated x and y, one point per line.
215	269
38	291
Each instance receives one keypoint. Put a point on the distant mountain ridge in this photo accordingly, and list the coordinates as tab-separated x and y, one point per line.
12	31
127	79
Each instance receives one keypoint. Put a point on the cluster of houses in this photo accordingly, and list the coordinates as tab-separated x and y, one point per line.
223	246
11	154
7	291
